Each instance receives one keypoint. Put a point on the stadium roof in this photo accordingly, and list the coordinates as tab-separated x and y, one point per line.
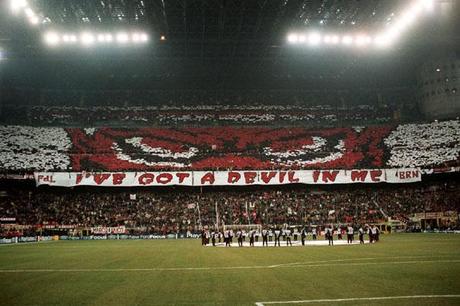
242	35
210	28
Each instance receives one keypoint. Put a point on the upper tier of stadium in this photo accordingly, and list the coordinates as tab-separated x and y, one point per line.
427	146
199	115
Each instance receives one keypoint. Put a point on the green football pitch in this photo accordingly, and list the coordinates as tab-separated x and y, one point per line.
403	269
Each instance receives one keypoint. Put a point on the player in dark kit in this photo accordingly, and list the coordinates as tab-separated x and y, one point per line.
264	237
239	236
330	235
288	234
252	234
372	234
361	235
303	235
227	238
213	238
350	234
277	234
203	238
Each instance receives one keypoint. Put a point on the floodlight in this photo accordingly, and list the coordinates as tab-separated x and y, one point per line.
87	39
136	37
17	5
302	38
122	38
69	39
331	39
394	32
101	38
406	20
314	39
29	12
396	27
162	37
144	37
52	39
383	41
347	40
34	20
293	38
363	40
108	37
335	39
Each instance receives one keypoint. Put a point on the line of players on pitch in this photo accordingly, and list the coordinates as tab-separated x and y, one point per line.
276	234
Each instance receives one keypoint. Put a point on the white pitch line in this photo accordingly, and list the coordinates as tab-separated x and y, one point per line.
223	268
353	259
439	296
374	263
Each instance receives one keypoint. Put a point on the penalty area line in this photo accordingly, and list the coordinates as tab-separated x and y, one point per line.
377	298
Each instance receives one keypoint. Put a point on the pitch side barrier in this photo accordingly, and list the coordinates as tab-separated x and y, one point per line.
15	240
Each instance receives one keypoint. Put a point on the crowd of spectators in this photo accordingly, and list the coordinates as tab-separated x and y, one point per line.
198	115
418	145
178	210
428	146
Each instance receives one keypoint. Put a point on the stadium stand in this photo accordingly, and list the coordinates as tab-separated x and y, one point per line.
308	130
165	212
428	146
197	115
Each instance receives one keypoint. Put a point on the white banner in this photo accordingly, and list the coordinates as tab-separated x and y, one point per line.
226	178
403	175
104	230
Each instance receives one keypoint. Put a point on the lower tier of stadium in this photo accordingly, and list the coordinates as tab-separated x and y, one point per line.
29	210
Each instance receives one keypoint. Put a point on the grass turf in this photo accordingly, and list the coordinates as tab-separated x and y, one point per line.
181	272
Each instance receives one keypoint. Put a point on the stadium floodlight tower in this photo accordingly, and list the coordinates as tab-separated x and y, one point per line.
382	39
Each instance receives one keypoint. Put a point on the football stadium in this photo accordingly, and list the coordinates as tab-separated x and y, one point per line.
229	152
